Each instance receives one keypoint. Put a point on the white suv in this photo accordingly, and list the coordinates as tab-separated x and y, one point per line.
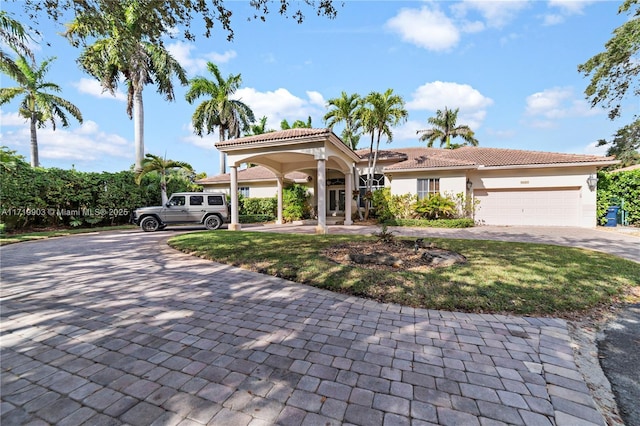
207	208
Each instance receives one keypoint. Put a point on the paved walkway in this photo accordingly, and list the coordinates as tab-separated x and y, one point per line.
117	328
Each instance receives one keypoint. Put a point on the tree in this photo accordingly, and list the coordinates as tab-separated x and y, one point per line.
163	17
614	72
625	144
298	124
259	128
380	112
38	105
445	128
346	110
154	163
230	116
13	34
123	49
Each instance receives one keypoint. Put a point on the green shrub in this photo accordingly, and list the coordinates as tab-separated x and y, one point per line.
255	218
614	187
436	206
295	203
259	206
435	223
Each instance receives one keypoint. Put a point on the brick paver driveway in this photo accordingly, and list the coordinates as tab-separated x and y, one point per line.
117	328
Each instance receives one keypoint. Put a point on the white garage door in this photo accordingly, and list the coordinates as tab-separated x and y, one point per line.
539	207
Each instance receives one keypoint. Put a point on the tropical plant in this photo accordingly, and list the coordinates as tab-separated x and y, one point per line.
13	34
614	71
445	128
625	145
436	206
345	110
259	128
38	105
616	187
379	112
122	49
156	164
295	203
298	124
230	116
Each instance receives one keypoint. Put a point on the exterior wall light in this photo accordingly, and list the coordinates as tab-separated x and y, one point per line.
469	185
592	182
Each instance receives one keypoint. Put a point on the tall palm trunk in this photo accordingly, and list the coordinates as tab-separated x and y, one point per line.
223	158
138	128
163	187
35	162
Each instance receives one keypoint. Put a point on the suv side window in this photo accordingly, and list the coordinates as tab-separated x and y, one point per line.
178	200
215	200
196	200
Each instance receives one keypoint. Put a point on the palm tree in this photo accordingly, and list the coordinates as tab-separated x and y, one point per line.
445	128
259	128
230	116
155	163
379	113
13	34
345	110
122	49
37	105
298	124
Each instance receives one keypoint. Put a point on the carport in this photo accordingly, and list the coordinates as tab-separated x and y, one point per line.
312	151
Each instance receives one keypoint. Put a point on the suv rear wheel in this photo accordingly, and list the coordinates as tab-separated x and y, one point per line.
150	224
212	222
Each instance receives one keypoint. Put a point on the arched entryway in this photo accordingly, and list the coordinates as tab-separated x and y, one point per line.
314	151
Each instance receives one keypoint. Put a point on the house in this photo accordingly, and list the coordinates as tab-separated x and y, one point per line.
512	187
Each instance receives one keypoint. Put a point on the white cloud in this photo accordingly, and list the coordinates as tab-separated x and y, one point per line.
204	141
565	8
92	87
281	104
438	94
557	103
594	149
84	143
425	27
182	52
496	13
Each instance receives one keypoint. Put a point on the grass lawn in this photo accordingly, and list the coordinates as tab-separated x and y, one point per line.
41	235
500	277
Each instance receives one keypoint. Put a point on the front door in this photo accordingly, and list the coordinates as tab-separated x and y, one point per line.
336	201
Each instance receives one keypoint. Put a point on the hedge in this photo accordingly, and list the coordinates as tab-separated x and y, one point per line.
433	223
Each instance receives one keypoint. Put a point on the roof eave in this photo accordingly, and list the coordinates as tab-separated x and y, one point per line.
422	169
552	165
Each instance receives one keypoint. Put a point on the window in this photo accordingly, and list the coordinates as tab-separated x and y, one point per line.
178	200
215	200
427	187
378	183
244	191
196	200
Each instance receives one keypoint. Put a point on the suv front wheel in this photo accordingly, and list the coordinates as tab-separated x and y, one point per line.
150	224
212	222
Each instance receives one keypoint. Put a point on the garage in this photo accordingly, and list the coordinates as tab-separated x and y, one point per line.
537	207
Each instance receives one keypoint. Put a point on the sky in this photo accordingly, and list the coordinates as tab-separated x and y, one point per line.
509	66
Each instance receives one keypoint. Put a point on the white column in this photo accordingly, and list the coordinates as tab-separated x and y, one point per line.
348	197
321	228
280	181
234	225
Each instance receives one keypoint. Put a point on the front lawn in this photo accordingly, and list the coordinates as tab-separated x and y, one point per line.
500	277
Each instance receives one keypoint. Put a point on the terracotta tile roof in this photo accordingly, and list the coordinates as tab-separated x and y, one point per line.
253	174
418	158
275	136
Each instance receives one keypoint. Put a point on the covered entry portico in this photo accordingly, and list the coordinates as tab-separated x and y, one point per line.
312	151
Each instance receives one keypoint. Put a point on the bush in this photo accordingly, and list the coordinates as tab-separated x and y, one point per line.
614	187
437	223
259	206
436	206
39	197
255	218
295	203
